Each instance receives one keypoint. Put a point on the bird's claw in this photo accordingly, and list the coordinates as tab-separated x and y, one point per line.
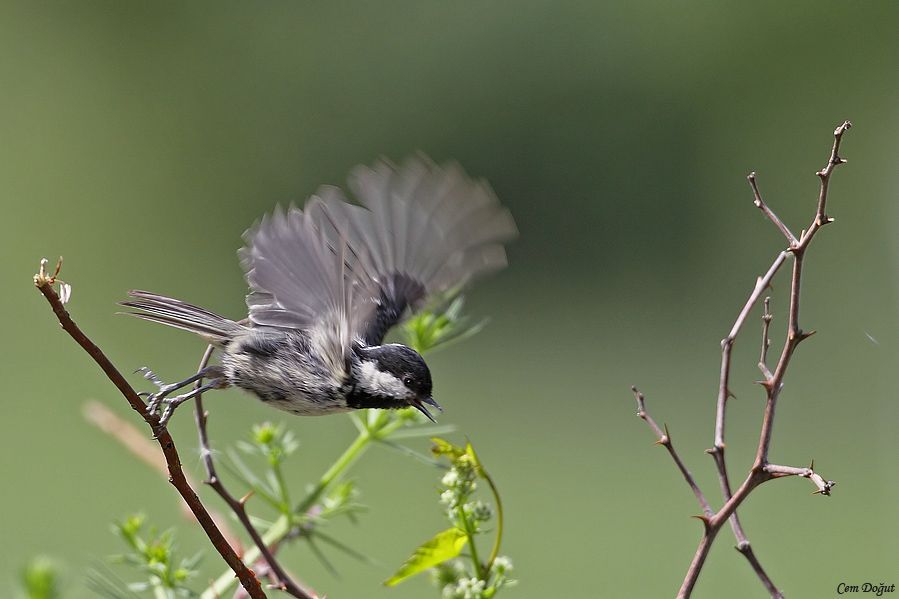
155	400
165	406
160	403
170	404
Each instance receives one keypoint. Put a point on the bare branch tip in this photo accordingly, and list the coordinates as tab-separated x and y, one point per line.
42	277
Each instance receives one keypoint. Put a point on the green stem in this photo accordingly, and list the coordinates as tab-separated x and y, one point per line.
350	455
283	524
499	519
469	532
282	487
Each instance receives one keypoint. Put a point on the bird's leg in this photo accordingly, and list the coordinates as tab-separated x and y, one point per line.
173	402
153	399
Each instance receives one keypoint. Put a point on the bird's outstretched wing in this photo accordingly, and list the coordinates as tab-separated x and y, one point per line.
341	271
426	229
303	276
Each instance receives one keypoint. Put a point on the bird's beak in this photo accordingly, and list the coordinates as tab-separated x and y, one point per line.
419	404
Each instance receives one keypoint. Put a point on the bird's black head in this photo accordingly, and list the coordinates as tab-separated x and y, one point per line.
392	376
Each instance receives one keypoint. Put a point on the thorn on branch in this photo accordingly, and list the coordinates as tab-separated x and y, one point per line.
706	522
803	335
665	440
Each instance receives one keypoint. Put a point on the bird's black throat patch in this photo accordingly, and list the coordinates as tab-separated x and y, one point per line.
360	399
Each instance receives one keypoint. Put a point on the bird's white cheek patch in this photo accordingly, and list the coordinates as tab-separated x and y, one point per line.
382	383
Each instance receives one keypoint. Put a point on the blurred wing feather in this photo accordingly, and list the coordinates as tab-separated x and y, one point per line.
431	229
341	270
301	276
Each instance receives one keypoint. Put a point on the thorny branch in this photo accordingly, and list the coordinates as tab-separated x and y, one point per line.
665	441
44	282
282	580
761	470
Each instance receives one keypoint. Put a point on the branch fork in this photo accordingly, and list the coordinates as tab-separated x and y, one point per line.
773	380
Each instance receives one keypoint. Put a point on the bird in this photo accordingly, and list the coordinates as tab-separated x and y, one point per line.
329	280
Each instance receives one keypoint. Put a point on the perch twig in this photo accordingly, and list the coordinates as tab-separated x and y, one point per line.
44	282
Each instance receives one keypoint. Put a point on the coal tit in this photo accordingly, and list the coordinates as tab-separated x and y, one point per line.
328	281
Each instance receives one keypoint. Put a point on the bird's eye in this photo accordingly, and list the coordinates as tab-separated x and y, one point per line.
407	380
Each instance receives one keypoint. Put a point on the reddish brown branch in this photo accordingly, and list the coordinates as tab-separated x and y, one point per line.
137	442
823	486
281	578
766	340
761	205
761	470
664	439
44	283
717	451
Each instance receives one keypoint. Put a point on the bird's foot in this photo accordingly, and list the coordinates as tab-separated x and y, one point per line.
160	402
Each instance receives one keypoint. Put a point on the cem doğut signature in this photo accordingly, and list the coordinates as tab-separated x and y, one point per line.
867	587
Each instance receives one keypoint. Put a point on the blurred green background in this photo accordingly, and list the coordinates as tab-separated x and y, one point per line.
140	139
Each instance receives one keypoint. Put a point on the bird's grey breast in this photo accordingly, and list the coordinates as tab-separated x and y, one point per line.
282	368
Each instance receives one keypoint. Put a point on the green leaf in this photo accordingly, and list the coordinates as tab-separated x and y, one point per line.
469	451
444	447
444	546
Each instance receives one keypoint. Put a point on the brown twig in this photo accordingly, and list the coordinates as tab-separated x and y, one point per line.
717	451
761	205
136	442
766	340
282	580
664	439
44	283
761	470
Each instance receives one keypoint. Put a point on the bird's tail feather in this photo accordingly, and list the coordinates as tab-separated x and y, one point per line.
216	329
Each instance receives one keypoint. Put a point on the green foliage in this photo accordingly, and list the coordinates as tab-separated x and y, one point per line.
274	444
443	546
153	555
40	579
429	330
258	463
468	517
